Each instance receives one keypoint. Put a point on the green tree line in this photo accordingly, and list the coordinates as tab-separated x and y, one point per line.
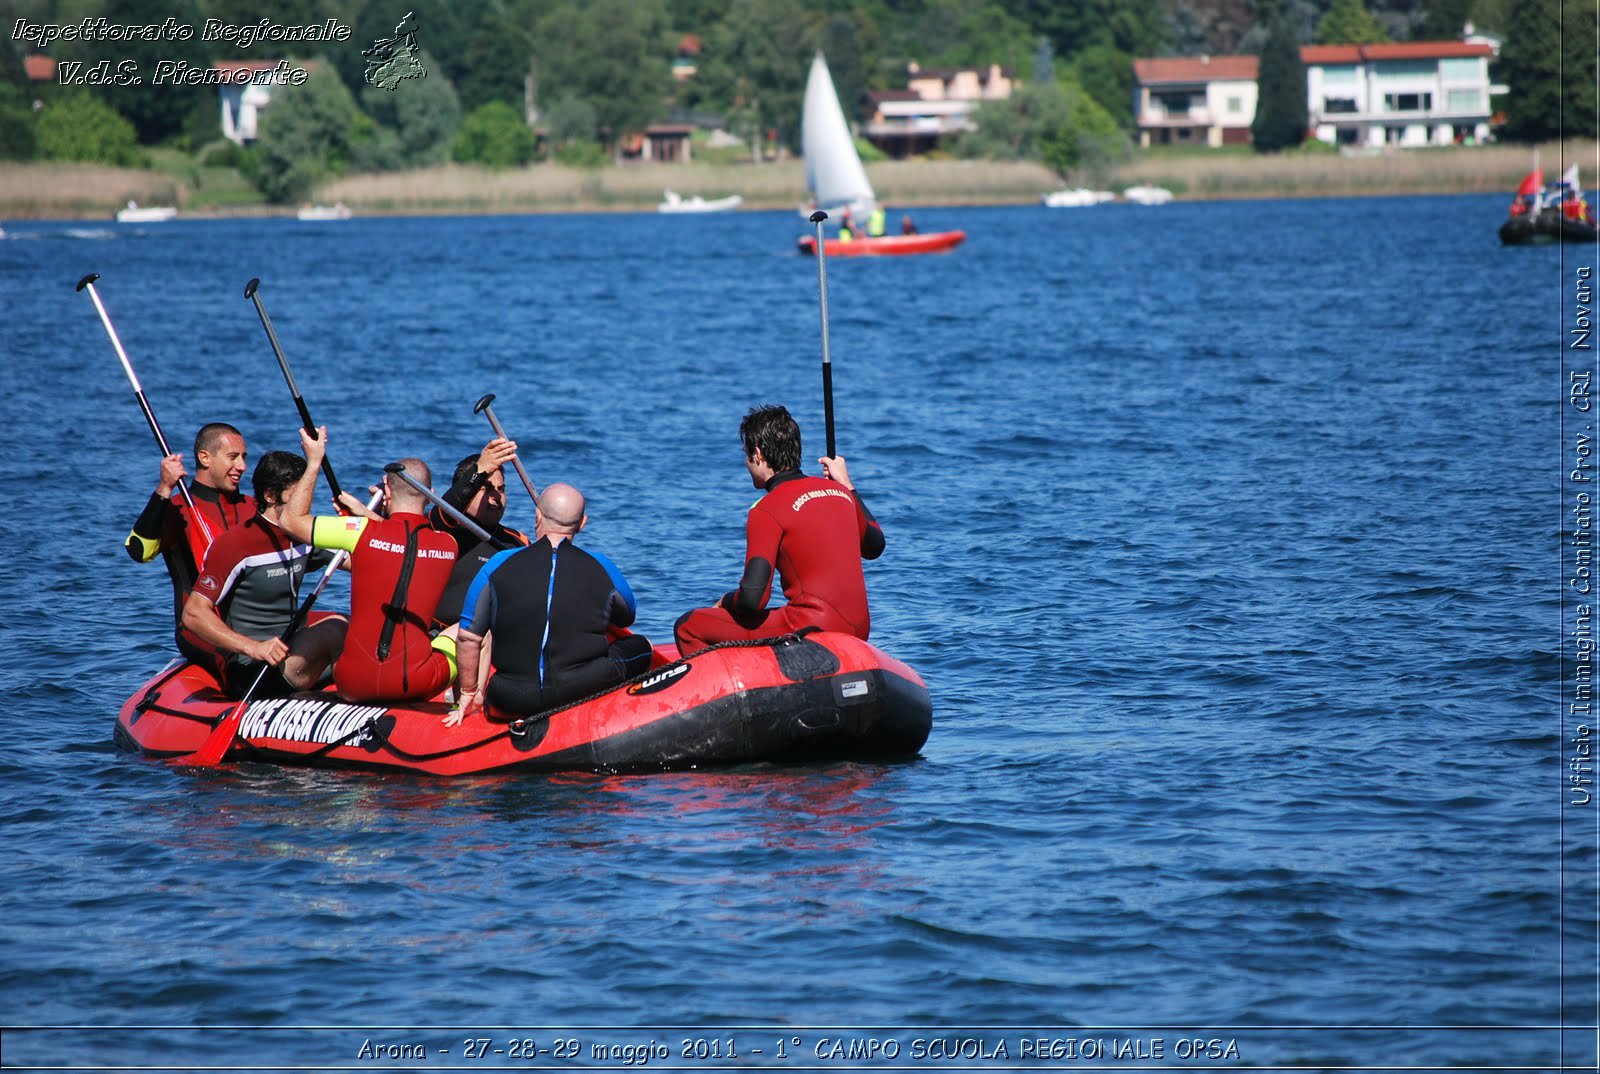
595	70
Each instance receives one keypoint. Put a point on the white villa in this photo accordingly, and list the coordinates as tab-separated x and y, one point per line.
1416	94
1403	94
242	105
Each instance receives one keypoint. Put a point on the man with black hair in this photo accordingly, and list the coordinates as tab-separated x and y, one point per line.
477	490
166	526
813	531
248	591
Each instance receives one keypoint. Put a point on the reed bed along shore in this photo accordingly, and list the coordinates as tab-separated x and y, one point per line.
90	191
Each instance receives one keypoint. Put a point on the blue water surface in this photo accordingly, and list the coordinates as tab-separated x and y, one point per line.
1227	537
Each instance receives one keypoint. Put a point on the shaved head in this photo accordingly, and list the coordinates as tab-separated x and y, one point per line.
562	508
402	497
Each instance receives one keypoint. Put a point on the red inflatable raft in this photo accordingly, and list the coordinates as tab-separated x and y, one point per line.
818	696
884	245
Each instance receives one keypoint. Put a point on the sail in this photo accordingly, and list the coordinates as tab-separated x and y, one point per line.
1532	184
833	168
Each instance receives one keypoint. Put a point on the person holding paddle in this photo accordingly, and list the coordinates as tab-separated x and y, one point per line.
399	567
167	527
814	531
477	490
247	595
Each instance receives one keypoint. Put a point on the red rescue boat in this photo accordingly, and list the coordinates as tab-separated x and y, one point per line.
817	696
932	242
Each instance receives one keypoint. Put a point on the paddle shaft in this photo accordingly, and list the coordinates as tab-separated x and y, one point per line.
395	469
87	284
215	747
822	302
494	423
288	376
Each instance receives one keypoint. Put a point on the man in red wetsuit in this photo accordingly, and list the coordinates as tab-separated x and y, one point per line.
165	528
814	531
248	591
399	567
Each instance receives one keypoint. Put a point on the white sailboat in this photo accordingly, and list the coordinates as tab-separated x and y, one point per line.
833	167
839	183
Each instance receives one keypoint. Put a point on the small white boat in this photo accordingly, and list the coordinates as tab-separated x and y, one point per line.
1076	199
673	202
1147	195
154	214
323	212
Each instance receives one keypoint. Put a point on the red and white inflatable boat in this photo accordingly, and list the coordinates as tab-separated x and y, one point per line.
817	696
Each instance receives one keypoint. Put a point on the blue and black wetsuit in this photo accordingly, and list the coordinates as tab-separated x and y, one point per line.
550	607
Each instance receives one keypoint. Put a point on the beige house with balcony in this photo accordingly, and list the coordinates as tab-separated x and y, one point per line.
936	103
1195	100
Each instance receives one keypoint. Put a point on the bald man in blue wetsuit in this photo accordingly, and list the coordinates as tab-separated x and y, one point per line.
556	611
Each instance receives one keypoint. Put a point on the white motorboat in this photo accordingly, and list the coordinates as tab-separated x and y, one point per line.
673	202
153	214
1080	198
1148	195
323	212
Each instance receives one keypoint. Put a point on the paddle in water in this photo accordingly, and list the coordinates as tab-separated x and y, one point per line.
483	407
822	300
215	747
294	389
87	284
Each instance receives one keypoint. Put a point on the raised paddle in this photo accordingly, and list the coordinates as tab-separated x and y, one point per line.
215	747
827	365
482	407
87	284
398	469
294	389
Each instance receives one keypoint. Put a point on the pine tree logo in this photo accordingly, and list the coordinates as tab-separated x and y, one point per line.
392	60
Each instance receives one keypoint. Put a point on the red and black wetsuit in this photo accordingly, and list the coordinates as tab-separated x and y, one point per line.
816	533
165	527
252	574
399	567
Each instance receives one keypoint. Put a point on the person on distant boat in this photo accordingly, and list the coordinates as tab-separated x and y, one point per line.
477	490
847	227
813	531
558	614
875	222
165	526
1574	207
907	227
399	567
249	590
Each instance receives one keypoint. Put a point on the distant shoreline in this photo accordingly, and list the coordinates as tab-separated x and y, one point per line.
81	191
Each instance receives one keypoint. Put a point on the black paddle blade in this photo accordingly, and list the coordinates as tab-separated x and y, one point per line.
250	288
818	217
86	281
394	468
482	404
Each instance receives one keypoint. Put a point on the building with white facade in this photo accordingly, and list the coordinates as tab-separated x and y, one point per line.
1404	94
1400	94
242	104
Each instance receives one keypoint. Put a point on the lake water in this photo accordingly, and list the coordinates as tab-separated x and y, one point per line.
1235	541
